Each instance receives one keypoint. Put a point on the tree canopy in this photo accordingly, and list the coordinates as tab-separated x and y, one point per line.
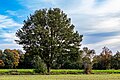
50	34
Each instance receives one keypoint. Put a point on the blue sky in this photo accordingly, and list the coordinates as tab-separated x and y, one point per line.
97	20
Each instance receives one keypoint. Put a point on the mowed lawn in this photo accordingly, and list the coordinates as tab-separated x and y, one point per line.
62	77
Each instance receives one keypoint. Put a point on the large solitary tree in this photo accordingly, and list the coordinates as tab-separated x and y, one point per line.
49	34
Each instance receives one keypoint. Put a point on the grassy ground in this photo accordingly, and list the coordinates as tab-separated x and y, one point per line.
75	71
57	71
61	77
19	70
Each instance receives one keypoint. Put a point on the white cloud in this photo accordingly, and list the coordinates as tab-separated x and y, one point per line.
8	36
9	41
91	8
98	19
88	17
6	22
105	25
12	12
10	46
111	42
111	6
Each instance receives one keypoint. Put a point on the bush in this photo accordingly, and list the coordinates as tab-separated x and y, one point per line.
40	66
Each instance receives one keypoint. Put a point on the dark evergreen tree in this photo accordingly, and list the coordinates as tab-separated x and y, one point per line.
49	34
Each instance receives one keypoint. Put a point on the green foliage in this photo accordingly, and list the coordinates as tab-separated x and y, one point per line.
21	64
16	58
10	58
103	61
2	63
28	61
115	62
50	34
39	65
71	65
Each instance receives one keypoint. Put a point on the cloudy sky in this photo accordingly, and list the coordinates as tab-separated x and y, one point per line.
97	20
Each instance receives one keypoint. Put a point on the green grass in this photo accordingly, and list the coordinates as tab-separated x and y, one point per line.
66	71
61	77
73	71
105	71
16	71
19	70
57	71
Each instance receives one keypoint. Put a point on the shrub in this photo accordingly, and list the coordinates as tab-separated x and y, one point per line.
40	66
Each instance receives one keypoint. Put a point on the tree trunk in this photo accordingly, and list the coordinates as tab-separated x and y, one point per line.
48	68
87	68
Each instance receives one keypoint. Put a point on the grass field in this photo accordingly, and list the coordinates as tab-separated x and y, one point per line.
81	71
19	70
61	77
57	71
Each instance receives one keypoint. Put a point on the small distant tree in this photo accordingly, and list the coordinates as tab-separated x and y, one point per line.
11	58
49	34
106	56
16	57
87	57
116	60
103	61
2	57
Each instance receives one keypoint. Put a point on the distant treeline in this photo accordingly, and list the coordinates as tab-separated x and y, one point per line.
11	59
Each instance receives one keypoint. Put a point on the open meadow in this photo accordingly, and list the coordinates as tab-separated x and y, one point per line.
59	74
62	77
